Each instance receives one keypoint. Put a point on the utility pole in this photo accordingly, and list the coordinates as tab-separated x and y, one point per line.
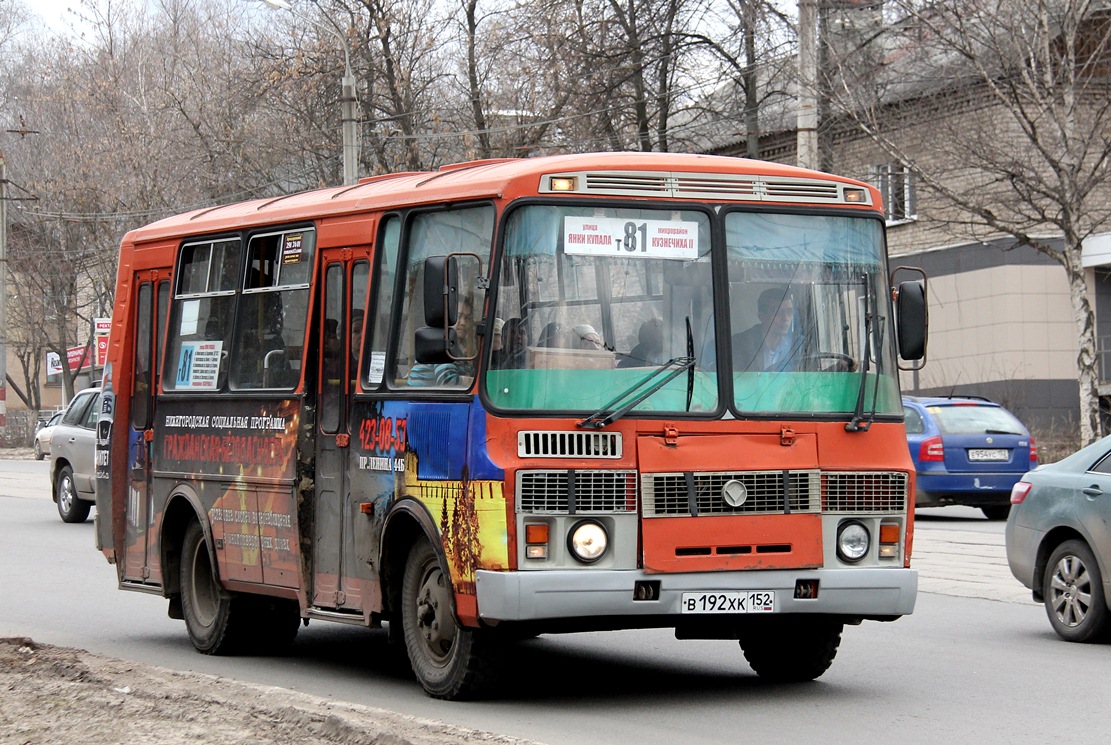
3	292
807	155
349	129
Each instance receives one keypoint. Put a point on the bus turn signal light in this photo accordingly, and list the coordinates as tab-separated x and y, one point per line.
536	540
889	540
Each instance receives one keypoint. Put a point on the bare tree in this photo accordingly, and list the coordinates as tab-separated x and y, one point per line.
1013	96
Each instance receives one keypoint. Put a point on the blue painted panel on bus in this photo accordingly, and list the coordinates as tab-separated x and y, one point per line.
436	433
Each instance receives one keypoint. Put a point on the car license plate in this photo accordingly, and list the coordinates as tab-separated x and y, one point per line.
748	601
991	454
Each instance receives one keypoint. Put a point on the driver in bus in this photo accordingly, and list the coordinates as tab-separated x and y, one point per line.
774	344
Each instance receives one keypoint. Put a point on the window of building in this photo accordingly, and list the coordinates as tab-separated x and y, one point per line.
896	183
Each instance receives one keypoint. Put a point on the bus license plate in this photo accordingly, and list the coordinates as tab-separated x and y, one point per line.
750	601
992	454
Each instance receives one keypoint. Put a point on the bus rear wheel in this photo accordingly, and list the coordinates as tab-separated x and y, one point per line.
450	661
215	618
785	649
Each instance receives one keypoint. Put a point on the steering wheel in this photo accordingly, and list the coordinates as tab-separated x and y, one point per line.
828	362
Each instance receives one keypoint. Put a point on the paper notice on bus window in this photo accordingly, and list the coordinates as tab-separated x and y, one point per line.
631	239
291	248
190	314
198	365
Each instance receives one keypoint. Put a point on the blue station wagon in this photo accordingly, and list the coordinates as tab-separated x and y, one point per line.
966	451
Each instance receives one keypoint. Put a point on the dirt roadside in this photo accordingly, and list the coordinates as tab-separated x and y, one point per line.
54	695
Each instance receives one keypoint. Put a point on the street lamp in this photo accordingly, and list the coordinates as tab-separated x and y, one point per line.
347	96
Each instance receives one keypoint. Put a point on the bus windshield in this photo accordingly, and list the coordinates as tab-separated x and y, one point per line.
593	300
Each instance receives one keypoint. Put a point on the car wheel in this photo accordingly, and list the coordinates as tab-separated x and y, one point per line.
996	512
217	620
72	508
1073	593
791	649
39	454
449	660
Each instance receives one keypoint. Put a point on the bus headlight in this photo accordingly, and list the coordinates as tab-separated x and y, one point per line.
588	541
853	541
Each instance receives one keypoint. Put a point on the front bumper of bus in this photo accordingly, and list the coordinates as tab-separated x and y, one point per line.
535	596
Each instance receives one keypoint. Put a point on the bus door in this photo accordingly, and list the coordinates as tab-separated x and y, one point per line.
337	567
152	297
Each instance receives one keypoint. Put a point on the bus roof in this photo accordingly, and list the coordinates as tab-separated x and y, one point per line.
509	178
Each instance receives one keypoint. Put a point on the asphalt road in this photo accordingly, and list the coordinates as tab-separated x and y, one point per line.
977	661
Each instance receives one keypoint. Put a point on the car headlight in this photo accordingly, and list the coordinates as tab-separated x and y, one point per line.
853	541
588	541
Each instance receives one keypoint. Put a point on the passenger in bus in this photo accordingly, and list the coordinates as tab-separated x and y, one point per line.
456	373
649	348
774	344
333	352
587	337
556	336
514	352
356	338
496	342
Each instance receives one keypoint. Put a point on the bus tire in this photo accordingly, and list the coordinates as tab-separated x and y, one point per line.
275	621
788	649
214	617
450	661
71	508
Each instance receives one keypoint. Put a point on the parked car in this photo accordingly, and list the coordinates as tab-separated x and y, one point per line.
967	451
72	457
1059	540
43	433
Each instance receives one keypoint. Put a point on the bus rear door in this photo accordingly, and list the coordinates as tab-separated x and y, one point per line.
152	296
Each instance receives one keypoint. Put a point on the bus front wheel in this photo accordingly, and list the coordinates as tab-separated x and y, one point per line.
449	660
791	649
213	616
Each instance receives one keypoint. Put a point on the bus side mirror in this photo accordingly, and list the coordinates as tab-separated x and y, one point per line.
433	348
441	291
911	315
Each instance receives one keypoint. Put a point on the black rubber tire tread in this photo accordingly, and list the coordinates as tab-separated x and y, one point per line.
78	509
229	628
1096	625
791	649
274	621
467	670
996	512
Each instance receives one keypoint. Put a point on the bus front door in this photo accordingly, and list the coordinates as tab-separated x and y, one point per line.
337	575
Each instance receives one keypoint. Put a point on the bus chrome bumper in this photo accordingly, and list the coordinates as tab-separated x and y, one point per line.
534	596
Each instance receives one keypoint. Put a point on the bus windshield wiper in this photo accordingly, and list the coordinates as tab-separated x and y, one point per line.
859	423
646	386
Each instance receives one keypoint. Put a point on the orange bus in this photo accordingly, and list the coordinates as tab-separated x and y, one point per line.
516	397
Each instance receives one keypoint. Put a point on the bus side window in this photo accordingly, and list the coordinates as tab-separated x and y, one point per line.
273	310
360	280
206	287
470	231
141	390
385	276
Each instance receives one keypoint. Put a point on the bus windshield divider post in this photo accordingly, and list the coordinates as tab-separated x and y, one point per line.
858	422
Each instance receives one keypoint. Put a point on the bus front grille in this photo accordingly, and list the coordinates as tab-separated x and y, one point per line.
864	491
730	493
773	493
576	491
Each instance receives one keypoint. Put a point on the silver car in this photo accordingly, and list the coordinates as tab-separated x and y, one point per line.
43	435
73	457
1059	540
